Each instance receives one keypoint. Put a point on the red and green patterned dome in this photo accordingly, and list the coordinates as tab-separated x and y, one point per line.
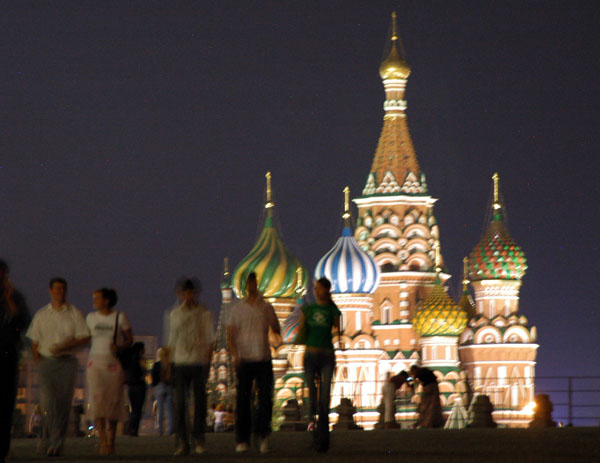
497	256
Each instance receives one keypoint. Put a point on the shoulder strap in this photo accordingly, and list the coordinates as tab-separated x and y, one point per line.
116	328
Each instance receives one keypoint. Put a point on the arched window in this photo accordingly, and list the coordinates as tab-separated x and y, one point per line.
386	316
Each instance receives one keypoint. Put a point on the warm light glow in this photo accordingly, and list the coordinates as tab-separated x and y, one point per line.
529	408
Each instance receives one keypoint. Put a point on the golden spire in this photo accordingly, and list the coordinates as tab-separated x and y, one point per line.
465	281
300	289
226	266
438	258
269	204
394	66
496	179
346	215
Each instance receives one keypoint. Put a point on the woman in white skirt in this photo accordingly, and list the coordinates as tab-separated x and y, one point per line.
110	330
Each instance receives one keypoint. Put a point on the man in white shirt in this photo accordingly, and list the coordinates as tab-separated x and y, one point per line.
248	340
191	335
56	331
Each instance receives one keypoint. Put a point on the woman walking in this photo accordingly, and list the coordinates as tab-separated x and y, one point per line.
110	331
161	382
320	319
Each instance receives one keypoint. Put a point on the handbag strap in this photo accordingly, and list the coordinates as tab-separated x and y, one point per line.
116	329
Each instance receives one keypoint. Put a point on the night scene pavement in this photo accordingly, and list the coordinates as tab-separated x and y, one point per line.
415	446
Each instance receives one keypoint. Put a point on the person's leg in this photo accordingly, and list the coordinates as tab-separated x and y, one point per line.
181	392
8	394
160	395
309	377
264	383
137	395
199	384
46	399
389	392
111	433
326	367
242	410
101	431
64	386
169	408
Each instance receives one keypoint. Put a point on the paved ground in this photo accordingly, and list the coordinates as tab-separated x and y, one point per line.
415	446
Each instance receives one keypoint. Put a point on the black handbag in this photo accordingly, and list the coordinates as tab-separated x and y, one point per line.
124	354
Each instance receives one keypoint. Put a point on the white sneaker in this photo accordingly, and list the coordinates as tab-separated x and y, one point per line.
264	445
241	447
199	449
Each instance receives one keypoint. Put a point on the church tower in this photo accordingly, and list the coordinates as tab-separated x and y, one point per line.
396	225
498	349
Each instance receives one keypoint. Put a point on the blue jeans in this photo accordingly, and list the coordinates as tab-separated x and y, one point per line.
164	403
319	365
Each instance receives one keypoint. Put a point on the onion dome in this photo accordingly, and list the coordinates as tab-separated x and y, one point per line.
394	66
346	265
275	266
439	315
466	301
497	256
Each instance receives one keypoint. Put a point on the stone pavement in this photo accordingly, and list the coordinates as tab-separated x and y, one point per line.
570	445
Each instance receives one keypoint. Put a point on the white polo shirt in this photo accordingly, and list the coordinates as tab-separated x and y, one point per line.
191	334
251	323
50	327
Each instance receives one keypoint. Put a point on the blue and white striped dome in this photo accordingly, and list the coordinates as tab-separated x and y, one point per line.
348	267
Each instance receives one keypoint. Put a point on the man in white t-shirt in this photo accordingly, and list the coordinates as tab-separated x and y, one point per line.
56	331
248	340
191	336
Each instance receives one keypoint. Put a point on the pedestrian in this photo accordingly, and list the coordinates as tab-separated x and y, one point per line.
135	378
248	340
390	386
56	331
110	332
430	407
14	319
320	319
191	335
162	379
35	422
220	414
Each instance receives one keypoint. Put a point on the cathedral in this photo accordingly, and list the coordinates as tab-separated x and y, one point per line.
388	280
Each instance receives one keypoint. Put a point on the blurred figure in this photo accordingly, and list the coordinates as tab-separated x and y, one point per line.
56	331
35	422
248	341
391	385
14	319
110	331
320	319
135	378
161	382
220	418
191	335
430	408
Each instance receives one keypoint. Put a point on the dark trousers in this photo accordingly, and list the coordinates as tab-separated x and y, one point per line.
186	378
319	365
137	396
8	394
261	375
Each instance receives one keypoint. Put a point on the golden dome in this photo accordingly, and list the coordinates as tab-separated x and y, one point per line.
394	66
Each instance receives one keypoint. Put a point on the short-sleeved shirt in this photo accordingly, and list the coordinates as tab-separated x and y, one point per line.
102	329
50	327
251	323
319	322
191	334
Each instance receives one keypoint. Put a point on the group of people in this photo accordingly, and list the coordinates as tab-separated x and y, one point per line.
252	328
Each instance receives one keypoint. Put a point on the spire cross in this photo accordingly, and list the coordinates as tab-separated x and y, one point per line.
496	179
269	204
226	266
394	27
346	214
465	271
438	267
299	278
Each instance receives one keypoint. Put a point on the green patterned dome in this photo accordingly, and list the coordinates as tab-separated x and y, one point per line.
440	315
497	256
276	268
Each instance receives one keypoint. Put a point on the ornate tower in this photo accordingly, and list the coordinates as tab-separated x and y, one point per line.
440	321
396	225
221	379
354	276
276	271
498	349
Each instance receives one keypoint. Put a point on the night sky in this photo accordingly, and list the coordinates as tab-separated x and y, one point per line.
134	139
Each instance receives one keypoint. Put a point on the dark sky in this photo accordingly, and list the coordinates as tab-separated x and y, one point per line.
134	138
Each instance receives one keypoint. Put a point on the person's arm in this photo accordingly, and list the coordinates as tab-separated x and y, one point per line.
35	351
69	344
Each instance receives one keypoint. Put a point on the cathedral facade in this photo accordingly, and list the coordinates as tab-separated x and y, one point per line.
388	279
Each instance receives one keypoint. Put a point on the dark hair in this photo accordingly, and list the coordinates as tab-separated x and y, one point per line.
325	283
110	295
4	266
60	280
252	276
184	284
138	347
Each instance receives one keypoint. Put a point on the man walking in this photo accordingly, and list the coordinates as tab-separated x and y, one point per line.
56	331
14	318
248	341
191	335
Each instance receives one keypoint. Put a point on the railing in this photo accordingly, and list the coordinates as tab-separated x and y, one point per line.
576	399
